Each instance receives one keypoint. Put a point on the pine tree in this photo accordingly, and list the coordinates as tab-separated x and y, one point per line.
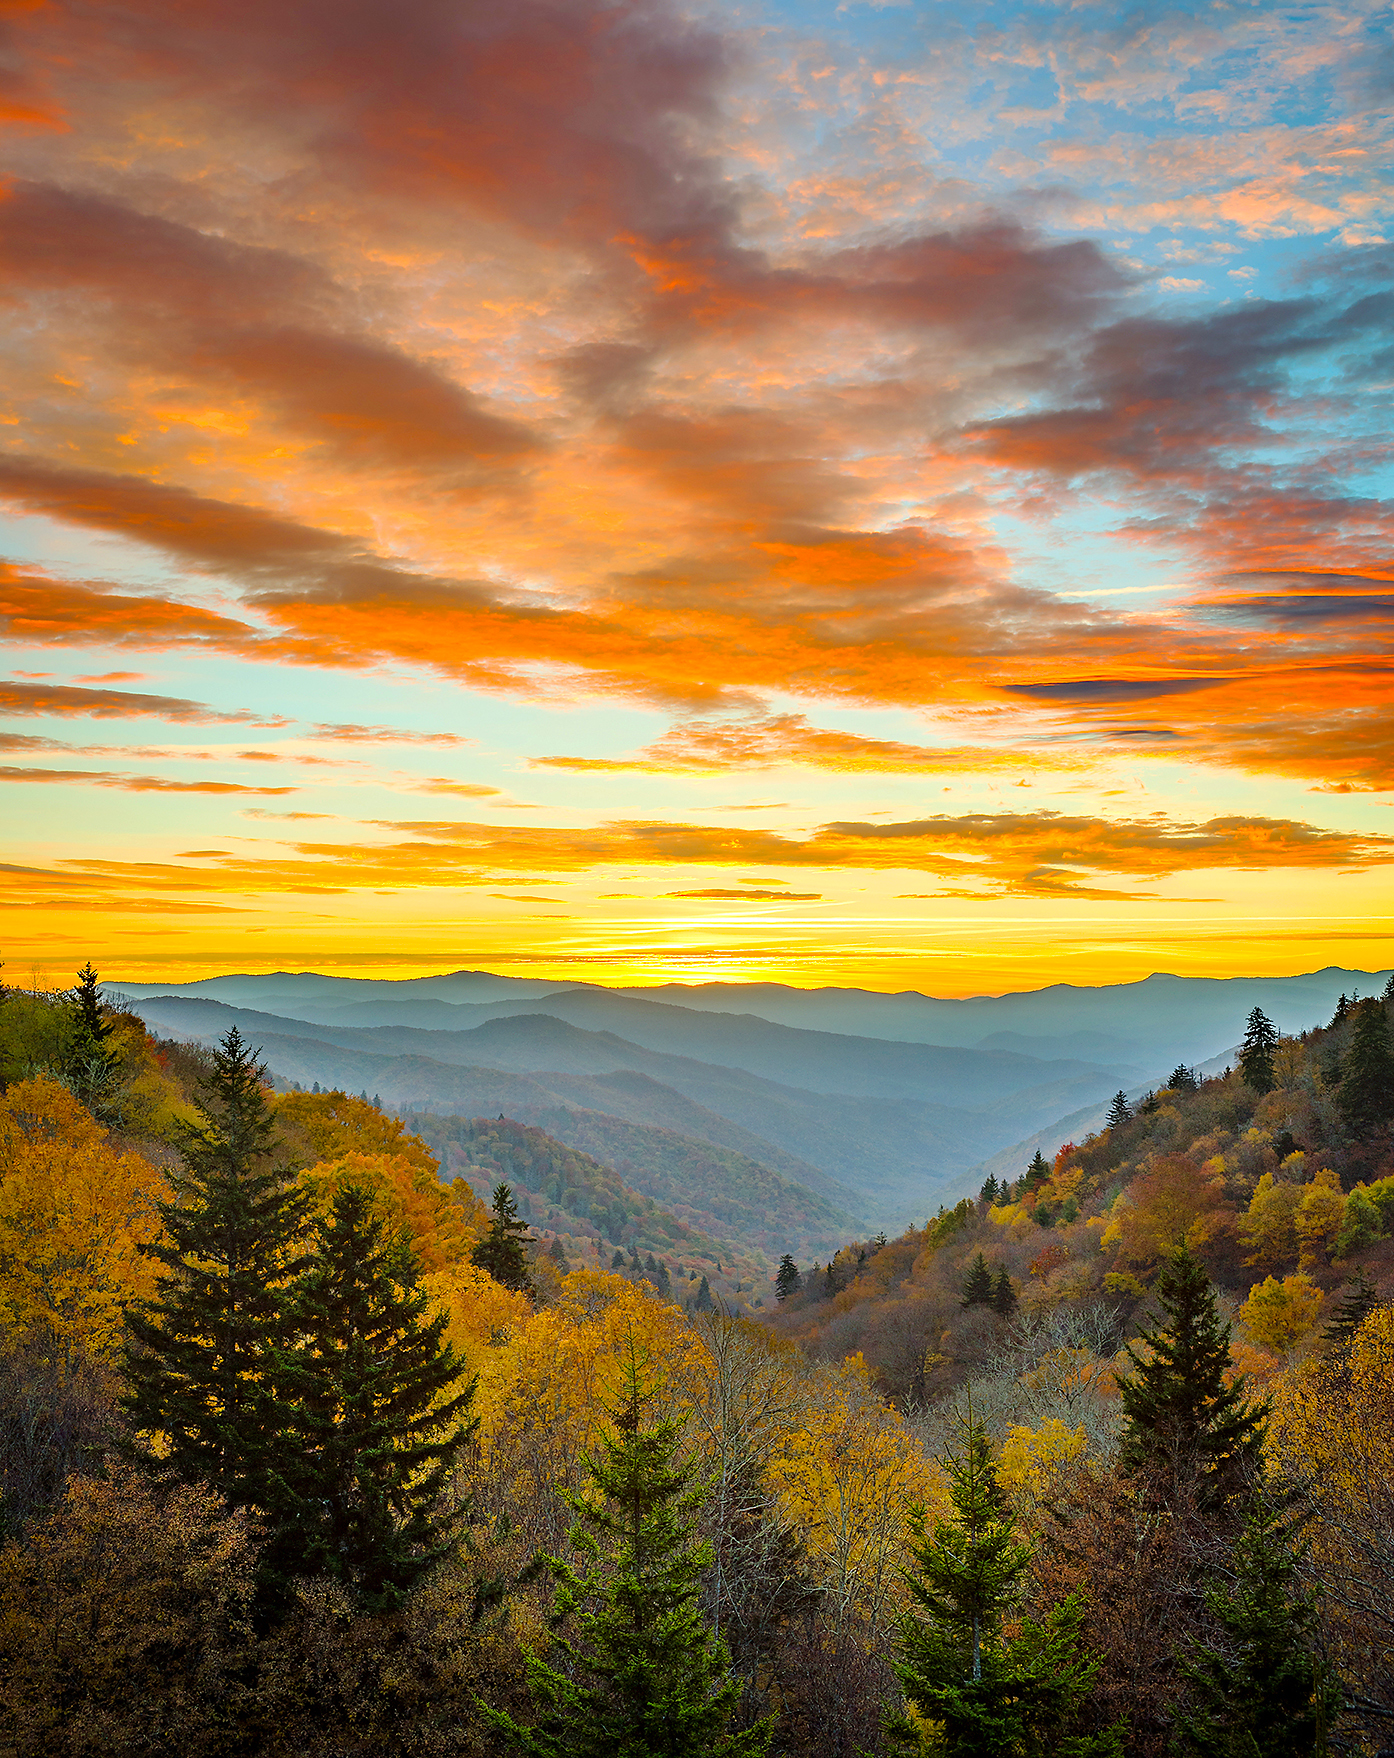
991	1190
617	1261
1366	1095
993	1694
1352	1311
1256	1052
664	1284
642	1677
197	1356
1182	1424
704	1301
1004	1299
90	1063
1182	1079
557	1252
977	1287
787	1279
1387	994
502	1250
1342	1010
1266	1690
376	1421
1037	1172
1119	1112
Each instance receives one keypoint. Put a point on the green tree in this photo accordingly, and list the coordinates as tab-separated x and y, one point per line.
1365	1097
377	1425
1037	1172
642	1677
1004	1299
977	1287
1265	1692
197	1357
991	1190
787	1279
503	1249
1256	1052
1182	1079
1182	1425
1119	1112
91	1065
1351	1311
987	1693
704	1301
1361	1224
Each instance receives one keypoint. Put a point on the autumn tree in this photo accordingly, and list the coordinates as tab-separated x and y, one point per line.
1182	1423
1265	1687
377	1419
197	1354
1256	1052
503	1249
995	1685
1365	1097
642	1675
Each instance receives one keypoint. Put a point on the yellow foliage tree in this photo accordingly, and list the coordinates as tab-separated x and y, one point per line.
1172	1203
1270	1227
1319	1217
1031	1456
74	1214
1278	1315
445	1220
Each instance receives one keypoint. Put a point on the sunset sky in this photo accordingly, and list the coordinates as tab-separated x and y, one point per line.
868	493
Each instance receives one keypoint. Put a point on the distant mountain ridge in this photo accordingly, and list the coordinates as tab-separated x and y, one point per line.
881	1105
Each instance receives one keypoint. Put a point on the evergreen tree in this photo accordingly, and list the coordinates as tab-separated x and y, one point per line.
664	1284
557	1252
977	1287
1388	992
1181	1423
90	1063
1182	1079
377	1424
617	1261
197	1357
1266	1690
502	1251
1119	1112
1342	1011
1256	1052
1352	1311
993	1694
1004	1299
1037	1172
787	1279
1366	1094
704	1301
642	1677
991	1190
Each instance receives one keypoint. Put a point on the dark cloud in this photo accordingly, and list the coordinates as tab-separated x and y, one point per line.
1086	690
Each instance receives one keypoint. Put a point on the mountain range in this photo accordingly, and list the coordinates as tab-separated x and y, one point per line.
866	1109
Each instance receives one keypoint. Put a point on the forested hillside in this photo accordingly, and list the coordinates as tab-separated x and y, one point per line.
311	1445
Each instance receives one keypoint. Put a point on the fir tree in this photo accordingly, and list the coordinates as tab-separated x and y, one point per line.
1119	1112
90	1063
557	1252
1037	1172
1366	1094
1256	1052
1181	1423
991	1190
502	1251
704	1301
1352	1311
787	1279
1388	992
1342	1011
642	1677
1182	1079
617	1261
197	1356
664	1284
993	1694
1004	1299
1266	1690
376	1424
977	1287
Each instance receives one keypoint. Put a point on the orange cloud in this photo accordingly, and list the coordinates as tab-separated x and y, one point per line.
139	784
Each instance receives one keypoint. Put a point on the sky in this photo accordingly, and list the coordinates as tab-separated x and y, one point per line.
881	494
